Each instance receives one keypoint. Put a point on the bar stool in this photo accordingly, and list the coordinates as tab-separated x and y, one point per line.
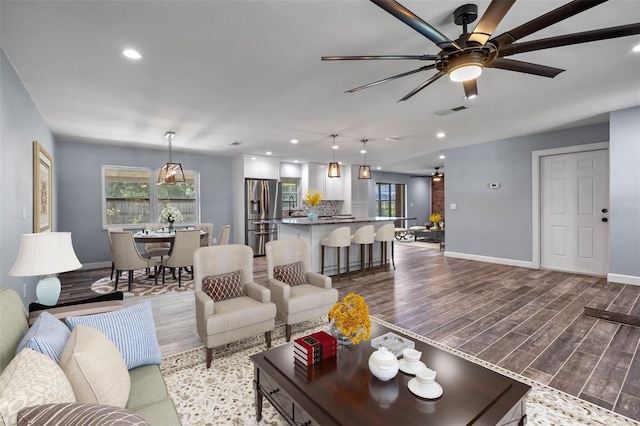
338	238
386	234
364	236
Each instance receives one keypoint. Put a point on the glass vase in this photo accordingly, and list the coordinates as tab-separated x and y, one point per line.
170	226
313	216
340	337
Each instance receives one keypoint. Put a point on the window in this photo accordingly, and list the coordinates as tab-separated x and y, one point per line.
289	193
390	200
131	196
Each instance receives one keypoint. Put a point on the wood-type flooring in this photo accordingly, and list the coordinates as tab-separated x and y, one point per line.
528	321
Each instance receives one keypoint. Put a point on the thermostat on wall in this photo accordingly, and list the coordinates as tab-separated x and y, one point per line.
494	185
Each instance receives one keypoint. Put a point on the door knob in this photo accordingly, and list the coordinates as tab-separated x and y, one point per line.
604	219
604	210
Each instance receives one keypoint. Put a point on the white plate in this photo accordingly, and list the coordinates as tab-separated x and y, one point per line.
432	391
410	368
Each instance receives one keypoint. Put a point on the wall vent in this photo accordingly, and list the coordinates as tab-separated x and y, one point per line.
394	138
451	111
235	143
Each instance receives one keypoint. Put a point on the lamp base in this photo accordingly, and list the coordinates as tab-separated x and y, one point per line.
48	291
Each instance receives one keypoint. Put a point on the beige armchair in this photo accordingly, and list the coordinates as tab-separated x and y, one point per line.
181	256
225	321
126	256
302	302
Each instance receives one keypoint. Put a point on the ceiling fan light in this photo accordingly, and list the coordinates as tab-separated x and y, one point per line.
465	72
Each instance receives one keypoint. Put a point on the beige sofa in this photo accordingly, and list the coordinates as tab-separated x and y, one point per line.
148	396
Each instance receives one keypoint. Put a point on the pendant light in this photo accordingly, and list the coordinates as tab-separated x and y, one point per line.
171	173
364	172
334	167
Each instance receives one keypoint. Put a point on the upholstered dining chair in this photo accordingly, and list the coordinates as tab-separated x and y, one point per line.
229	305
111	229
208	228
187	241
364	237
155	249
299	293
126	256
223	238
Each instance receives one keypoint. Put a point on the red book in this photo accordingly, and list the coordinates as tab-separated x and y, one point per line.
308	344
327	340
310	359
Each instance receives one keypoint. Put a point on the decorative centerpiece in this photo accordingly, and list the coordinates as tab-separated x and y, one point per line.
435	219
170	214
350	322
312	199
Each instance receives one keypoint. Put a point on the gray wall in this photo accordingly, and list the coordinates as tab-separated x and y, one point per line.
20	124
624	193
80	194
498	222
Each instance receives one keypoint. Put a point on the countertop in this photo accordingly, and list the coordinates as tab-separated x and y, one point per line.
333	220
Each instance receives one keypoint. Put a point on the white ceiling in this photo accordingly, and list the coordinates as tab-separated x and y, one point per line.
216	72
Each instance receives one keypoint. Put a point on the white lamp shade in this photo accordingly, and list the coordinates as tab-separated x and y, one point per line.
44	254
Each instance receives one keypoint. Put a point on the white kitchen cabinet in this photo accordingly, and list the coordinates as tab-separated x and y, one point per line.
317	178
260	167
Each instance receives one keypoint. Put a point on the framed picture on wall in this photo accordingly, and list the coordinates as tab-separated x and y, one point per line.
42	189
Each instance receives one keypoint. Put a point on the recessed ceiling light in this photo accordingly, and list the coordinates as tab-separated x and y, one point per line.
268	152
394	138
440	134
131	54
378	168
363	151
294	140
636	48
335	147
295	161
442	157
253	158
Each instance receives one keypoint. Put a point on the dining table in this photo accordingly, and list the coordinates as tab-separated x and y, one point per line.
160	236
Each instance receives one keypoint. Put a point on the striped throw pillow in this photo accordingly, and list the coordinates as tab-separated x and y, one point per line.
78	415
131	329
223	286
290	273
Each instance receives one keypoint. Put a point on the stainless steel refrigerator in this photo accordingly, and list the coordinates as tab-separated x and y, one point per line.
262	198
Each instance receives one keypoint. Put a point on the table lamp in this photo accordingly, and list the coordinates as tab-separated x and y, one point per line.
45	254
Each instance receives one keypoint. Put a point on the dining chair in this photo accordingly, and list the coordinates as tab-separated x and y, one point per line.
127	258
364	237
223	238
385	235
155	249
299	293
111	229
187	241
229	305
208	228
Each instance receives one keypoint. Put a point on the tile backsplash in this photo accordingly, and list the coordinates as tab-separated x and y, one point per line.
325	208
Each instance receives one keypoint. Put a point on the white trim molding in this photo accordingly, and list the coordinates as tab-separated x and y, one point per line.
535	189
623	279
489	259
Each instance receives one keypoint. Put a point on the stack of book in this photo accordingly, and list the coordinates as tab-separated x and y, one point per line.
311	349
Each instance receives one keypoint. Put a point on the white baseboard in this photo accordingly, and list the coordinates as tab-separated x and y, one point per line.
488	259
623	279
96	265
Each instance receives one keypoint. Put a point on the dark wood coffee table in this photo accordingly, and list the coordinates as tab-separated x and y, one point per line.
342	391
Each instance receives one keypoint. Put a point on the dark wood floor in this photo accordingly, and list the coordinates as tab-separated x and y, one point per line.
528	321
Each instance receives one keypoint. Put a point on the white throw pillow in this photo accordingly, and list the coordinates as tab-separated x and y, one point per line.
95	368
31	378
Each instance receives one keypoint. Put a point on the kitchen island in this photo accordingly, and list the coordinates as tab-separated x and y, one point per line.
314	231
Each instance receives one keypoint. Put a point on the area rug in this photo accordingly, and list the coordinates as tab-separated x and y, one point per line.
419	244
224	394
142	285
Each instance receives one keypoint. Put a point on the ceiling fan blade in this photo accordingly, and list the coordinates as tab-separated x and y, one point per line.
470	88
525	67
490	20
563	12
422	86
404	74
377	57
409	18
569	39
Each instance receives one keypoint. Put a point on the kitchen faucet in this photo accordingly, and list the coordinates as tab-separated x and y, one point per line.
291	201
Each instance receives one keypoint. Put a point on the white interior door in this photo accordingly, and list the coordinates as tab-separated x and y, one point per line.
574	202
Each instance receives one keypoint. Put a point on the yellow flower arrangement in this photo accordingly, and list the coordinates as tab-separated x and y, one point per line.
312	198
351	317
435	218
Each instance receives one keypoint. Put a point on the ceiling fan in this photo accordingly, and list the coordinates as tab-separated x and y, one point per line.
464	59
